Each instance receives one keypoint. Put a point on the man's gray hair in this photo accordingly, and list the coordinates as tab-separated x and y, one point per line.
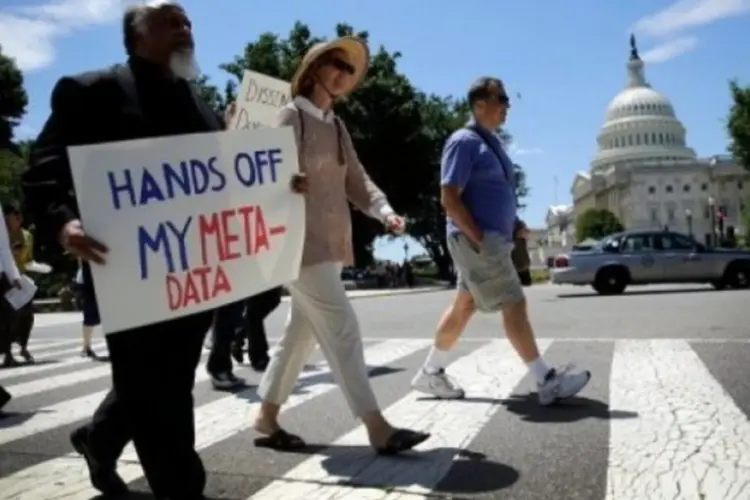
134	20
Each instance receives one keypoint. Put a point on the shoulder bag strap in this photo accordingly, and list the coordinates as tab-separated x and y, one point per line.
481	133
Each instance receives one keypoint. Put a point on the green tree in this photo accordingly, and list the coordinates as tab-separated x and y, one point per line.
211	94
13	100
440	117
11	166
745	222
738	124
522	189
597	223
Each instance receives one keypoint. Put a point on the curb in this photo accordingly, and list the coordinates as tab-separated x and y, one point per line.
395	292
55	308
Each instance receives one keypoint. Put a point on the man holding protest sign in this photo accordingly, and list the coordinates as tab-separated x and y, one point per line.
153	366
320	309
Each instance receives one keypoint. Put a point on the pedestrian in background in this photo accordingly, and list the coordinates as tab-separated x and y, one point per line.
9	277
20	321
85	286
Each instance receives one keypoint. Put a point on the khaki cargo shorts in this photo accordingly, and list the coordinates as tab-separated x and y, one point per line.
487	273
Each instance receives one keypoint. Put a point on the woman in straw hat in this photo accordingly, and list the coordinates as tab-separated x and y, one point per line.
320	309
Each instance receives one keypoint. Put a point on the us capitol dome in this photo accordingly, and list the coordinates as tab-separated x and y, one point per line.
640	124
645	172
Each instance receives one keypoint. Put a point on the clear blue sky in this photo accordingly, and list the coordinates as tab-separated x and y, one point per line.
566	58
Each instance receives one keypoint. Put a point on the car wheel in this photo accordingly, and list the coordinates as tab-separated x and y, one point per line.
610	281
719	284
737	275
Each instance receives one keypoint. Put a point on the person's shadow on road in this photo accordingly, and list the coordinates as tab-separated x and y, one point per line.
569	410
446	470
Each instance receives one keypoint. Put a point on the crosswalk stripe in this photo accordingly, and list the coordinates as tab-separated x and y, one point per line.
50	344
59	381
215	422
490	373
49	361
689	439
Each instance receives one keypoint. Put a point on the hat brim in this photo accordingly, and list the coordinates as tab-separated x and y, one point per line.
359	56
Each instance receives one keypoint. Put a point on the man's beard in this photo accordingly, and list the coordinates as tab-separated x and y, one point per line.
183	65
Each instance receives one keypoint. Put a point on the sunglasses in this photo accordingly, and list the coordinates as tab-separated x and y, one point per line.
342	66
502	99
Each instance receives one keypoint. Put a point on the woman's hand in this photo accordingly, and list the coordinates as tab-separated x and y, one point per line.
299	183
395	223
229	113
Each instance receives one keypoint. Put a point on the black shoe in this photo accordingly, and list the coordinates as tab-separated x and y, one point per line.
103	477
237	353
5	397
227	381
260	365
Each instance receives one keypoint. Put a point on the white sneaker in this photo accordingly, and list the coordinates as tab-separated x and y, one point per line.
562	384
437	384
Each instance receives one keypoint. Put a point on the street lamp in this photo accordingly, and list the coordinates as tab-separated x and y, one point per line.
689	220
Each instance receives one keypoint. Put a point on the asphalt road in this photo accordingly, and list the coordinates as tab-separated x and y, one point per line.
665	415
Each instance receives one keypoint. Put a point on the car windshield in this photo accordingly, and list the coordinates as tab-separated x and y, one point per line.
610	241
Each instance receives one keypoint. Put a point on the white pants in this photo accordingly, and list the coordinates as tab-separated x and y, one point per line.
320	312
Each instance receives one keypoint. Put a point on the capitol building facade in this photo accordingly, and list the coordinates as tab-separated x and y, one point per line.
647	175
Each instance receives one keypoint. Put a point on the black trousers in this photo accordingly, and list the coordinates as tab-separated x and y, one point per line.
254	330
227	321
151	402
240	320
15	325
258	309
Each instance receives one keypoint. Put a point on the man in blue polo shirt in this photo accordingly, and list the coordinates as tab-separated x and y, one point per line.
478	195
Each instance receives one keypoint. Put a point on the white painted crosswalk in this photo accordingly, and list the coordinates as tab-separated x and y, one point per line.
662	419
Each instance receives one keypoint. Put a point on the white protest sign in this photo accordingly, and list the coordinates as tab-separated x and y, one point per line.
192	222
259	101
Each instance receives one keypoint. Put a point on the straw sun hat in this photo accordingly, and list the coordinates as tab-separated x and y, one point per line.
359	57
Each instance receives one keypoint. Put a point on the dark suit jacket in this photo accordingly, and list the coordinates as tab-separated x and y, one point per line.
90	108
98	107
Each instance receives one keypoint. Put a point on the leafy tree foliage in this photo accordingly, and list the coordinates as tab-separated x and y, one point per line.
738	124
13	100
597	223
398	132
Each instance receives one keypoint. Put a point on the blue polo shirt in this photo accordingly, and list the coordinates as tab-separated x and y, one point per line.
486	182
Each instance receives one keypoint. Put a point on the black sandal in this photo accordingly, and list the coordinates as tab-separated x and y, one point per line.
403	440
280	440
